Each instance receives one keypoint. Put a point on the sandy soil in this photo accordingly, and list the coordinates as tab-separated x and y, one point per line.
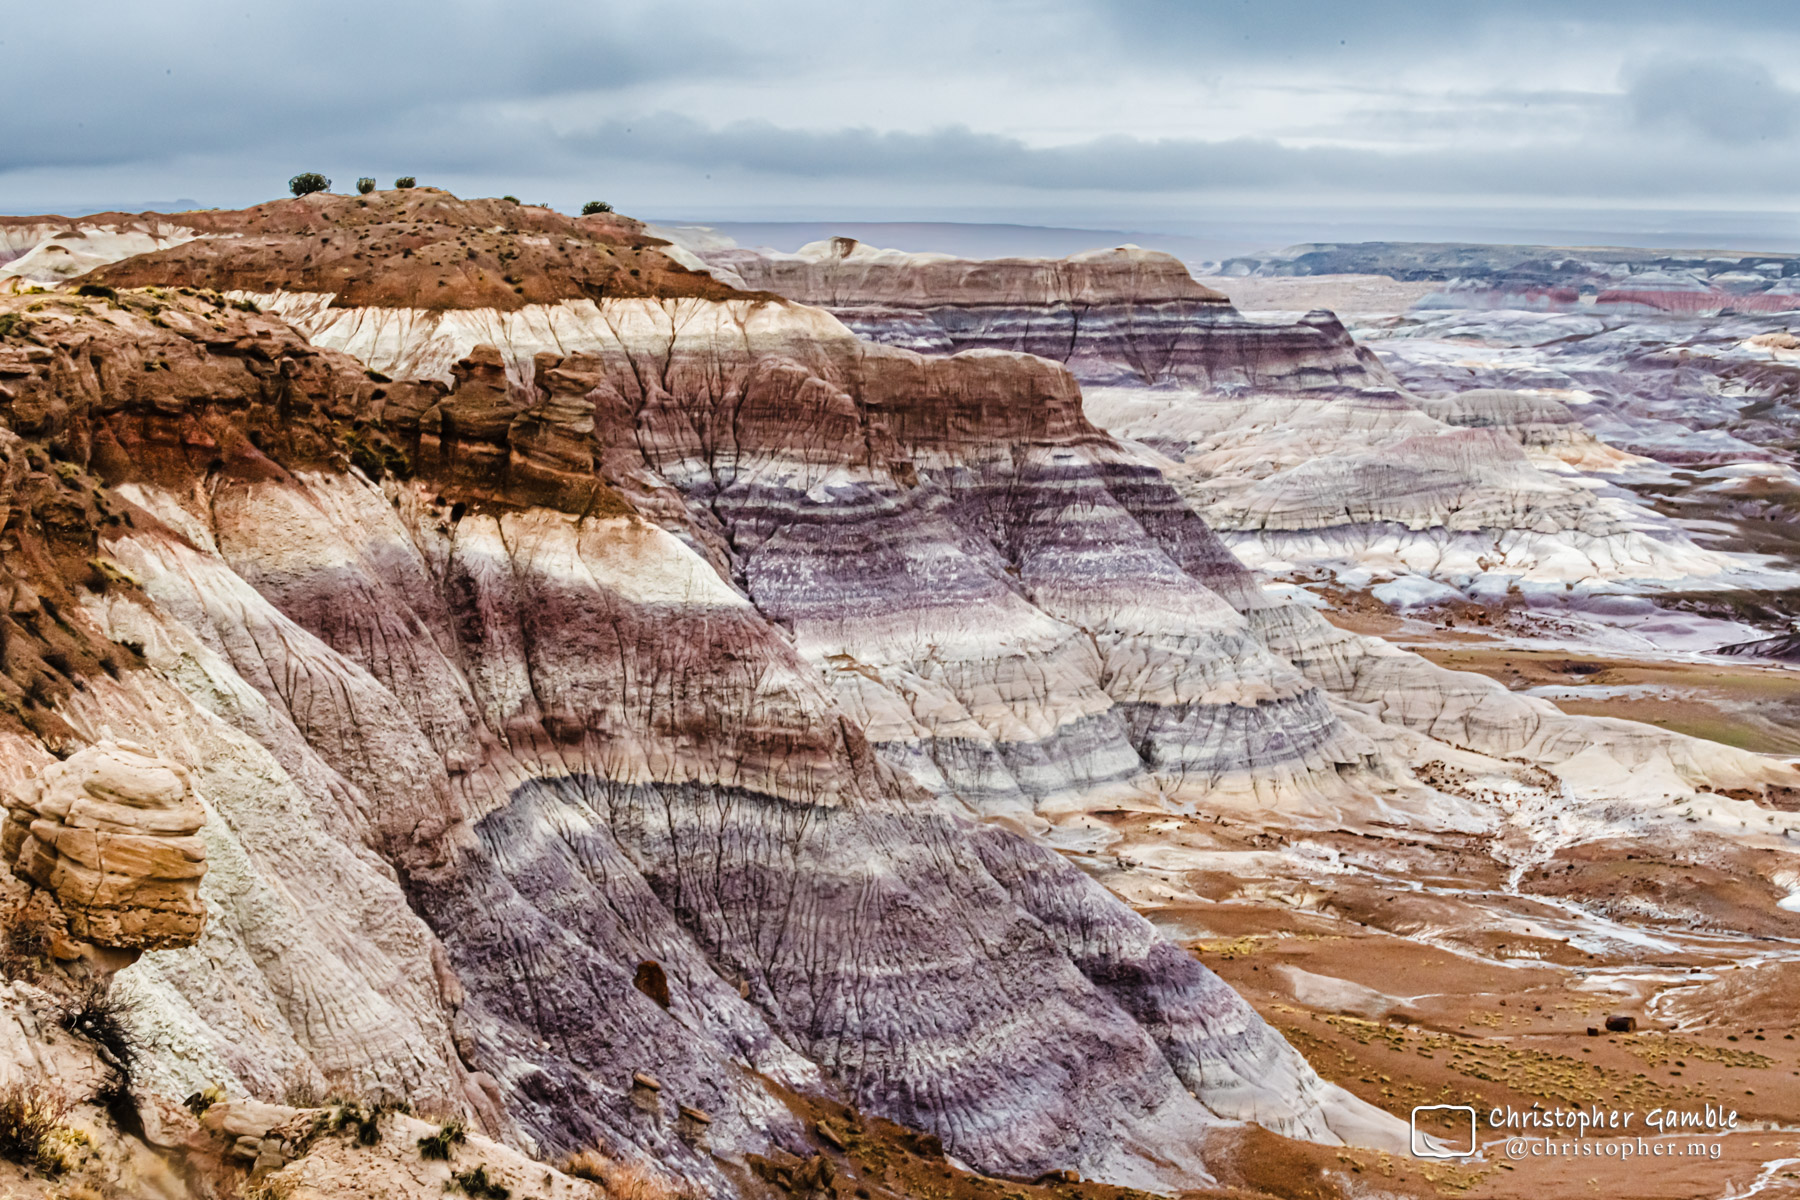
1741	703
1412	975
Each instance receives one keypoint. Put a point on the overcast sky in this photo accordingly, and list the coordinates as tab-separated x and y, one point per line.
1060	112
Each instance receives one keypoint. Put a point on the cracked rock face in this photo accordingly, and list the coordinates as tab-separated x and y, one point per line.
110	834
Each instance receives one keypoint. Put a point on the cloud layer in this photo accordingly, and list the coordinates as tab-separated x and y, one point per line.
801	105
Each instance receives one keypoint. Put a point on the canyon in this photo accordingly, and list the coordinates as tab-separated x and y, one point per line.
819	722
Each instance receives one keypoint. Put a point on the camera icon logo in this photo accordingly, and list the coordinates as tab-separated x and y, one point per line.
1455	1144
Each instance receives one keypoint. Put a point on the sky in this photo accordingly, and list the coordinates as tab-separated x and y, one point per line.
1182	115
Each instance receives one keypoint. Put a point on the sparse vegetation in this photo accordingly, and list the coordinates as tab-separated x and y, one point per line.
374	455
441	1145
510	199
595	206
204	1099
32	1133
93	1013
308	182
406	181
273	1188
22	947
365	185
362	1124
475	1182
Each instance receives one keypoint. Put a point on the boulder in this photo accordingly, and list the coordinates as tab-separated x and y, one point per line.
109	837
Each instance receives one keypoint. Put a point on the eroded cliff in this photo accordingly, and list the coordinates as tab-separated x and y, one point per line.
545	703
673	684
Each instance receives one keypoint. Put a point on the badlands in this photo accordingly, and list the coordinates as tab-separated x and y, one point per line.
508	704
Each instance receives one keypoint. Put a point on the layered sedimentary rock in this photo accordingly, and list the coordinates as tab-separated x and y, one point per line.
603	687
1450	488
569	738
1124	315
1688	283
109	835
1294	449
52	249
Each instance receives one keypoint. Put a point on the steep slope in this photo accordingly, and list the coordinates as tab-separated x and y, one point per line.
1292	442
471	763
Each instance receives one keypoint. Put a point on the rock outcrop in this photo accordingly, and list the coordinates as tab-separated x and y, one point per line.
110	835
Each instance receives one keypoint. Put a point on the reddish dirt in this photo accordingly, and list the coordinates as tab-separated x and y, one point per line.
412	248
859	1157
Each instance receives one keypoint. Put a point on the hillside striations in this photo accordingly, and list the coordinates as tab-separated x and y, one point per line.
500	688
612	703
1125	315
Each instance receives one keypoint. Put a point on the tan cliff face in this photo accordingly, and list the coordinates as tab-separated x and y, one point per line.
110	835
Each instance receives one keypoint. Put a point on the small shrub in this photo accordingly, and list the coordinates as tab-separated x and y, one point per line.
406	181
586	1165
9	323
347	1116
365	185
441	1145
32	1133
96	289
272	1188
595	206
22	946
204	1099
93	1013
475	1182
510	199
308	182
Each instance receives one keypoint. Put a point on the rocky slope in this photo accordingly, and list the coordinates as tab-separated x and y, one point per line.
1292	442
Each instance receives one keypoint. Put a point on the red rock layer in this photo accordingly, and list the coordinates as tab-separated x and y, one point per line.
413	248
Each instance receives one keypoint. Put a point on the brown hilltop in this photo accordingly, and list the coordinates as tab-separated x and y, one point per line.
414	248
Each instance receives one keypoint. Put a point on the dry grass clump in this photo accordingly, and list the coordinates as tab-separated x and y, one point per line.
22	947
32	1133
622	1181
476	1184
442	1144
